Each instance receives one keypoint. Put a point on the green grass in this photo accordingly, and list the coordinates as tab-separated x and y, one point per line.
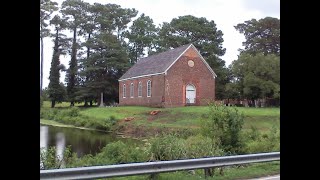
180	117
233	173
55	123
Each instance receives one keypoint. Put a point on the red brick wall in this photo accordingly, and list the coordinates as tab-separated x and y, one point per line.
157	91
172	86
180	75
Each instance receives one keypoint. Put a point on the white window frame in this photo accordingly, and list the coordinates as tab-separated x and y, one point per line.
149	86
140	89
124	89
131	90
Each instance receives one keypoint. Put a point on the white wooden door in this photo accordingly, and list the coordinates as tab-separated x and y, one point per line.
190	94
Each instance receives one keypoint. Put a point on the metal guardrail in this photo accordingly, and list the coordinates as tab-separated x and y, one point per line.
155	167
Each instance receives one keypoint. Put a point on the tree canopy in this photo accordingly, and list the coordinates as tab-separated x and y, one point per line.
257	76
261	35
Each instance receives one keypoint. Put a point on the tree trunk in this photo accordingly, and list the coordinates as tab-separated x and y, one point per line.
91	103
41	64
85	103
53	103
101	100
255	103
263	102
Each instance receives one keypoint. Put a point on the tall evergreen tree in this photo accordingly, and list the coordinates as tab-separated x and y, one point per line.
55	89
74	11
47	7
103	20
104	64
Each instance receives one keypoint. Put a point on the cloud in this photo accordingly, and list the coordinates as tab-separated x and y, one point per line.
271	7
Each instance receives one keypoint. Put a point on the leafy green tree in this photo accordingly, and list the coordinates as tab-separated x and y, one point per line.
206	38
257	76
261	36
74	11
55	90
141	37
47	7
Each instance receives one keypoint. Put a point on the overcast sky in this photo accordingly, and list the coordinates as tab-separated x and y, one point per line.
225	13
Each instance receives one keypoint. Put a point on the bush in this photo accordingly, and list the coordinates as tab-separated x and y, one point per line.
119	152
224	125
73	112
167	147
262	143
49	159
200	146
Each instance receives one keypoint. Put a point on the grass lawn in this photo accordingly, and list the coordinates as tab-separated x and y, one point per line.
180	117
185	117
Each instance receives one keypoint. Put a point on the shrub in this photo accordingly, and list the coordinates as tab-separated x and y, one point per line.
73	112
200	146
119	152
167	147
263	143
224	124
49	159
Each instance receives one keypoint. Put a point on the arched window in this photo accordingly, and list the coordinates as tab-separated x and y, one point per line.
124	91
131	90
149	88
140	89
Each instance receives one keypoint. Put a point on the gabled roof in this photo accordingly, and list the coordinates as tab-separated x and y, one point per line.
159	63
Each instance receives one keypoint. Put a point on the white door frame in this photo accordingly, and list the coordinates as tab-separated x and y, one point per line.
190	94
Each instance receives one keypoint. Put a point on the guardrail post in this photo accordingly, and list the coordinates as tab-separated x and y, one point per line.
154	176
207	172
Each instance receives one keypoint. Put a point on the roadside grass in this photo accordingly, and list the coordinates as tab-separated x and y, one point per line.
230	173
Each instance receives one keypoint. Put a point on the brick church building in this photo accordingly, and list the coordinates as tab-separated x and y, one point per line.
177	77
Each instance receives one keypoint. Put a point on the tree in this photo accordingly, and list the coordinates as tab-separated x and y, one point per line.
261	36
55	90
47	7
206	38
74	11
103	24
141	36
104	66
257	76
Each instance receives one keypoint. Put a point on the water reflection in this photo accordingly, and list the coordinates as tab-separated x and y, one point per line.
43	140
61	143
44	137
81	141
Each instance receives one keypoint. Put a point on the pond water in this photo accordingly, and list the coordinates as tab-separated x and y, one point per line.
82	141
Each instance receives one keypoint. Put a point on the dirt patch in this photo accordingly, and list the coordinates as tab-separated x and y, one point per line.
128	129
